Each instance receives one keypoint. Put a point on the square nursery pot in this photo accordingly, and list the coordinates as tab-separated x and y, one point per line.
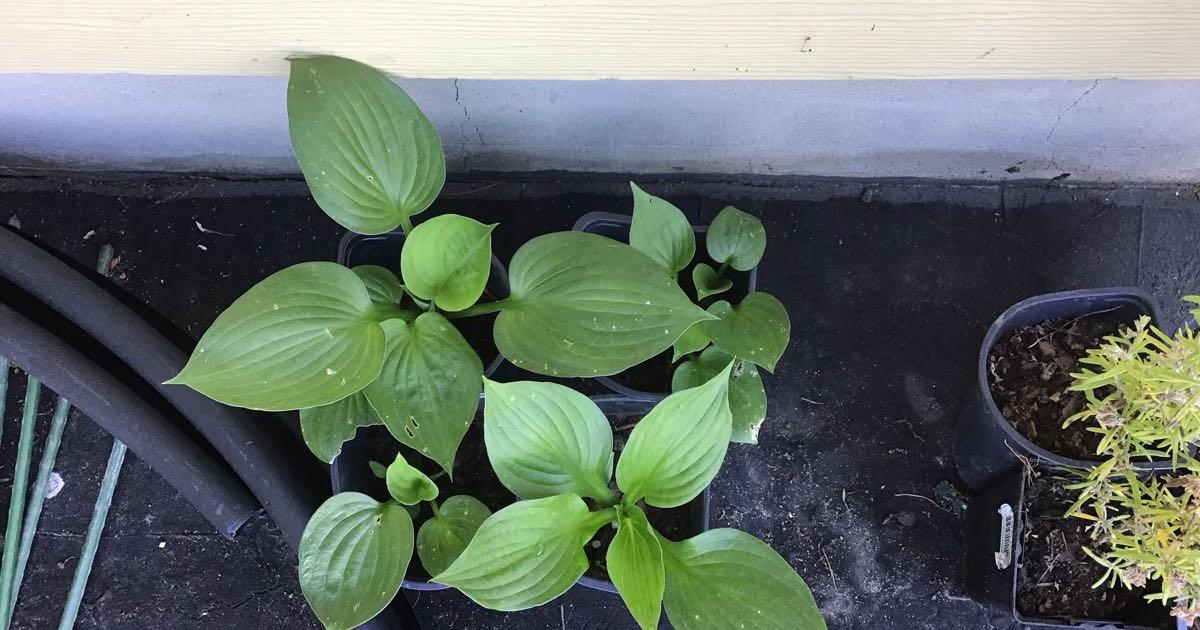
986	446
651	379
996	526
351	471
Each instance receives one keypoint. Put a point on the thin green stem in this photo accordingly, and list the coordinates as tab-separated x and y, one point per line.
479	309
722	269
16	506
406	224
37	498
601	517
3	390
87	556
422	304
433	505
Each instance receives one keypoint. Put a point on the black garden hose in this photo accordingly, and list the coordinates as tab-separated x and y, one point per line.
206	482
271	472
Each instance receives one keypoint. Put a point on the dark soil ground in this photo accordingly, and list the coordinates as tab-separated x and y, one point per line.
1055	577
1029	373
890	287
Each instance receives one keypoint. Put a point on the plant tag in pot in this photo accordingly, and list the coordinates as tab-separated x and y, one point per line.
1004	555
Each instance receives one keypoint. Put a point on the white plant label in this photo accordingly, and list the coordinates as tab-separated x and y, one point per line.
1004	555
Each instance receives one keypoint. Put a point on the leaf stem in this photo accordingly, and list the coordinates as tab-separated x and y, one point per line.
433	505
596	519
406	224
722	269
422	304
479	309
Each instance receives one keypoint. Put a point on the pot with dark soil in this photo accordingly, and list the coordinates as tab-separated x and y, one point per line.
1025	552
1020	400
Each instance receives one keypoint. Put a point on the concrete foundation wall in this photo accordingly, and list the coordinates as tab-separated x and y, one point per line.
1098	130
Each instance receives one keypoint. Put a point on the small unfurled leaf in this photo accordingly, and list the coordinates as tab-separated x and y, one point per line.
707	283
736	238
586	305
442	539
635	565
694	339
676	450
447	259
370	157
747	398
353	556
756	330
428	390
407	484
545	439
377	469
382	285
327	427
526	554
725	578
660	230
304	337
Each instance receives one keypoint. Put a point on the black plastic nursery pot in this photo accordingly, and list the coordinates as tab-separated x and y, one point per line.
635	382
999	523
987	447
473	475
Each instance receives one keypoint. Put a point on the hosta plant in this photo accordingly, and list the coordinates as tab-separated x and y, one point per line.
1143	391
370	345
553	448
755	331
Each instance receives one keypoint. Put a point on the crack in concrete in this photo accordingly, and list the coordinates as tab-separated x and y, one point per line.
1095	84
467	115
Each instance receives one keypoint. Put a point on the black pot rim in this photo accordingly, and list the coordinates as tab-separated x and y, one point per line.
583	224
1000	327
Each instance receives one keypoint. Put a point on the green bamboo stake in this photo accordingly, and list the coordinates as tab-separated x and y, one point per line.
103	501
16	506
3	391
37	498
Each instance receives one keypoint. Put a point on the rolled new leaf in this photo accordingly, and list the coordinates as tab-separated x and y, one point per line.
635	565
408	485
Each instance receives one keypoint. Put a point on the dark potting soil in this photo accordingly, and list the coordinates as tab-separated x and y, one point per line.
473	475
1029	372
1054	575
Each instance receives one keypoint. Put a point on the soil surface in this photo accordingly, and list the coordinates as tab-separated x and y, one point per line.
1029	372
1054	575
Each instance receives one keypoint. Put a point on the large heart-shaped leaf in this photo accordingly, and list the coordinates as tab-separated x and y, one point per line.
736	238
747	398
526	554
725	578
408	485
304	337
447	259
635	565
586	305
327	427
370	157
442	539
694	339
676	450
756	330
428	390
545	439
707	282
353	556
660	230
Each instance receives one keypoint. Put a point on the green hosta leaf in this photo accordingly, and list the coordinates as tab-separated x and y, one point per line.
370	157
736	238
353	556
428	390
304	337
381	284
747	398
442	539
676	450
635	565
545	439
725	578
586	305
407	484
694	339
660	230
377	469
447	259
327	427
707	283
526	554
756	330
